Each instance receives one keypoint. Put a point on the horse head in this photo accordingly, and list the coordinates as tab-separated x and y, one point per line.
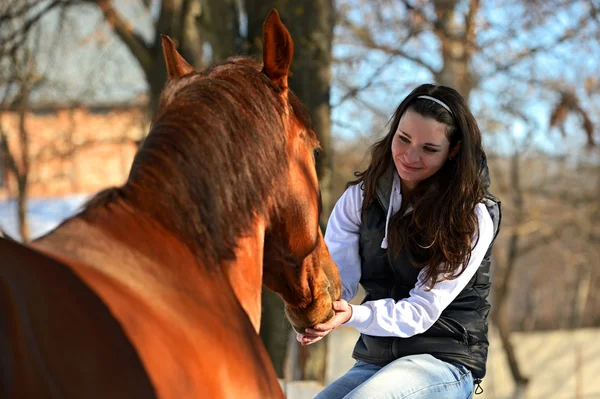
296	263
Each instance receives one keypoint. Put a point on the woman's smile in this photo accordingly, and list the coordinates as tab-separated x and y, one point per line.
410	168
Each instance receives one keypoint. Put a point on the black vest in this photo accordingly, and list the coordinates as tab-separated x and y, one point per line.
460	335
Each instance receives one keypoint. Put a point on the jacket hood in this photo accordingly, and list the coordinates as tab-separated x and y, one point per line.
484	172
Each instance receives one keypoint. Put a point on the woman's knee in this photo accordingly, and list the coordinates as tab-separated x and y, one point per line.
353	378
416	377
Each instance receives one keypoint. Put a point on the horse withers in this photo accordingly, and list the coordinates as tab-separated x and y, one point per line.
153	289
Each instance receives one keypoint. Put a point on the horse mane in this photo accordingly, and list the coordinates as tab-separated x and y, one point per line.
214	158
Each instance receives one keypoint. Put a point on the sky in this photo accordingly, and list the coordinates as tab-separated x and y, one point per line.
95	65
500	89
43	214
88	64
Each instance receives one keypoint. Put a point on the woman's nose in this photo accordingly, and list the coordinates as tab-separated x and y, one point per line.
411	155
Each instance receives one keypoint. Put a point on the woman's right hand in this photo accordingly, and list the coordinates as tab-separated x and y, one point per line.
343	313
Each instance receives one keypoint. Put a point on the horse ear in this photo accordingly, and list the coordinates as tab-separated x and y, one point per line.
176	65
278	50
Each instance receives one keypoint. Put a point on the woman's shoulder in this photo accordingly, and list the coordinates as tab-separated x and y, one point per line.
486	224
350	203
354	193
481	210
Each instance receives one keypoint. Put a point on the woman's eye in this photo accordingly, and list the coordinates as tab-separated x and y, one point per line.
429	149
404	139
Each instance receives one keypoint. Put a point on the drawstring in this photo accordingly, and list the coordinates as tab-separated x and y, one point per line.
384	243
478	388
395	189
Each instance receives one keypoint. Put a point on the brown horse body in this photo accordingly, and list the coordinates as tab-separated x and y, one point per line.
153	290
199	331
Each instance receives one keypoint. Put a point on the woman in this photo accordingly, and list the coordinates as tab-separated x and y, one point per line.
416	230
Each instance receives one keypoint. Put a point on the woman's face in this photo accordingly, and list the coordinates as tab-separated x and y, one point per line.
419	148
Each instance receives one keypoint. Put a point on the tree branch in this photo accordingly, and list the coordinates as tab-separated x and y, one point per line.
567	34
499	316
17	37
9	157
470	34
367	40
352	93
124	30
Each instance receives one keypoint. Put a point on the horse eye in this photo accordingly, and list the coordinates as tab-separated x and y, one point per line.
317	152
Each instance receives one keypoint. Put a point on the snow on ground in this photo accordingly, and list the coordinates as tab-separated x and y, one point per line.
43	214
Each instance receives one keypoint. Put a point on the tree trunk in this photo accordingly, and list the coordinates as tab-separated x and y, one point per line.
274	329
191	24
178	20
456	45
218	24
499	314
22	208
22	175
310	23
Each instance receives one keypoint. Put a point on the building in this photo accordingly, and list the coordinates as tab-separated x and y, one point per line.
72	150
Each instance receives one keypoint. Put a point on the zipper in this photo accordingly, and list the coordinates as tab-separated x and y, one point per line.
478	388
462	329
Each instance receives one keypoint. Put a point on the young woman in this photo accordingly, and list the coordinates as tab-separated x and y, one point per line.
416	230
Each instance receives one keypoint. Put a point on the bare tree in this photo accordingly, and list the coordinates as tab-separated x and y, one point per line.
21	81
178	19
499	64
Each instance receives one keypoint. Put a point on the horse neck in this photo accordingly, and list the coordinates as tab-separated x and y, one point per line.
246	271
148	249
138	247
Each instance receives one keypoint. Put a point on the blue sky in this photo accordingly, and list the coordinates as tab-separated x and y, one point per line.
88	64
566	65
43	214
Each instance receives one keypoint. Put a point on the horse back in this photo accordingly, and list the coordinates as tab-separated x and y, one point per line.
57	337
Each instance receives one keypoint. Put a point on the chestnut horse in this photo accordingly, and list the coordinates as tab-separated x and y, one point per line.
154	288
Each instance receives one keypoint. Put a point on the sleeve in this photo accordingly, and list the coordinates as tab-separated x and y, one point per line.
342	239
421	309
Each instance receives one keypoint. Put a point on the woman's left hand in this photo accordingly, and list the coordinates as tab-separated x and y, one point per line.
343	313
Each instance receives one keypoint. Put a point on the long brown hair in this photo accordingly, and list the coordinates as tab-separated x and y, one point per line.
438	232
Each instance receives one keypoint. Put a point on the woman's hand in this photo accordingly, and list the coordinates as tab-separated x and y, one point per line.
343	313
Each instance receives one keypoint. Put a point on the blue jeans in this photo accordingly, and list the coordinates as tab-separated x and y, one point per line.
414	377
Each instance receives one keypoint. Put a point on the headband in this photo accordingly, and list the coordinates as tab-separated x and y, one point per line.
437	101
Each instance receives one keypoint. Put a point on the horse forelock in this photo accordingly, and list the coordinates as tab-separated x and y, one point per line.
214	159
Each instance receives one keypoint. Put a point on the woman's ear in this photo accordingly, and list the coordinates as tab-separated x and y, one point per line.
455	150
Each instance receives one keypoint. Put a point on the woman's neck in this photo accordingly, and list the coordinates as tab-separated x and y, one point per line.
406	186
